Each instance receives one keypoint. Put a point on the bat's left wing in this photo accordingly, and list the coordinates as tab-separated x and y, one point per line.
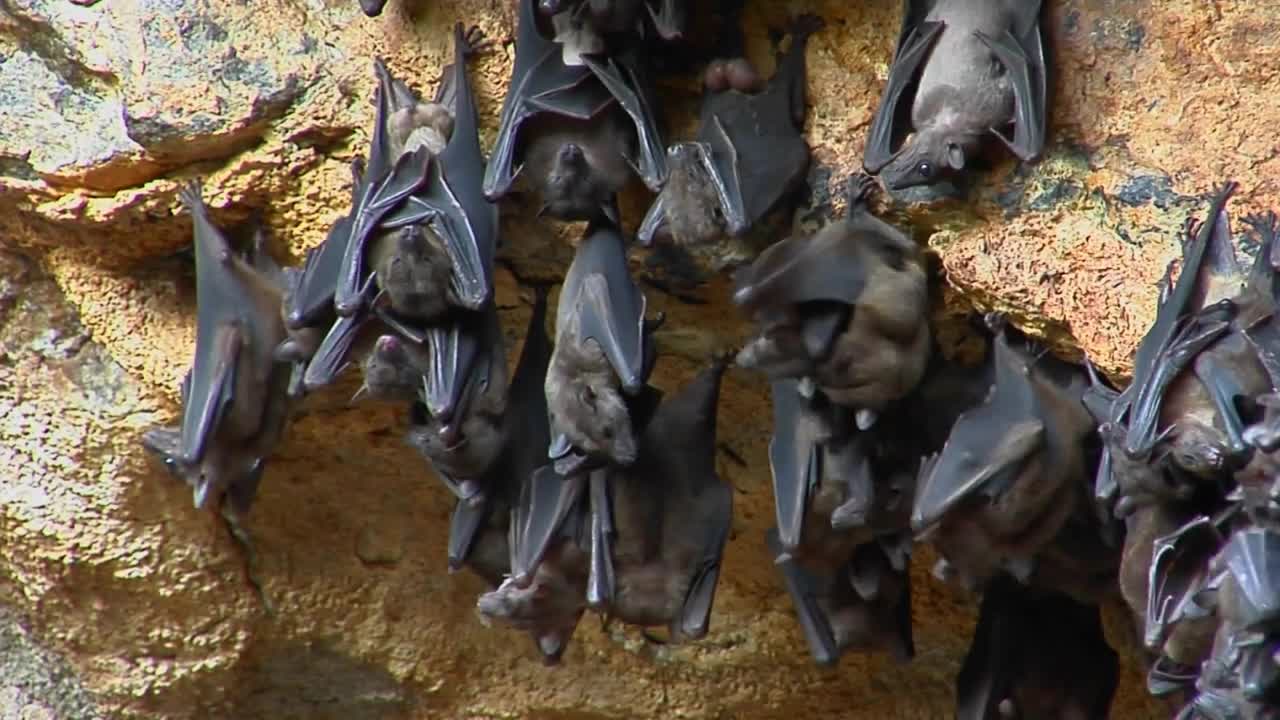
611	306
1021	50
794	462
622	77
804	588
915	40
546	499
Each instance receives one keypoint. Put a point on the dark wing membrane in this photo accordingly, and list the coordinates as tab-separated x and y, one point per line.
312	298
794	463
799	269
612	307
624	84
914	43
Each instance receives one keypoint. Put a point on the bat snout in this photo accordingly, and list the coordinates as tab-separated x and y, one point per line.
572	154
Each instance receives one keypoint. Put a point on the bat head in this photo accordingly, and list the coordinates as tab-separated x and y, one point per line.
416	273
372	8
1200	449
929	156
548	607
692	205
592	413
389	373
571	190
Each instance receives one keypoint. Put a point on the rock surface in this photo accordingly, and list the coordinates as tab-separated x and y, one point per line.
106	109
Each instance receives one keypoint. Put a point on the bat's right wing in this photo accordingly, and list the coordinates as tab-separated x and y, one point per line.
914	43
546	499
794	462
1021	50
611	307
804	589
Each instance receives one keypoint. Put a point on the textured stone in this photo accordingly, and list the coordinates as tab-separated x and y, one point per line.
106	109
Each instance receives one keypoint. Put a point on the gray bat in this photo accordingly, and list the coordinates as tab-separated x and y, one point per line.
968	68
1007	491
603	354
458	423
749	155
235	397
422	225
668	18
576	124
372	8
847	307
1036	655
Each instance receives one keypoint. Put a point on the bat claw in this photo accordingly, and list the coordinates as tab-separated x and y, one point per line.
865	419
475	42
861	188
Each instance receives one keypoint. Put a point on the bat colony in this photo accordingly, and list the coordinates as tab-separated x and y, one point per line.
581	486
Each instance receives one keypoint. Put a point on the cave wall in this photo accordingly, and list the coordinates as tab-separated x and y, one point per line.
133	603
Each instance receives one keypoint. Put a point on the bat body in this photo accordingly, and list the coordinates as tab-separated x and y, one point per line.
479	532
602	355
847	307
1036	654
458	423
421	226
749	154
575	124
235	397
962	69
667	518
668	18
1007	492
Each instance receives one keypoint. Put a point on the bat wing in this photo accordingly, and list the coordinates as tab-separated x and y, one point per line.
540	82
1141	400
914	43
629	88
529	430
991	664
311	298
464	525
611	306
332	356
804	589
1253	559
695	613
1021	50
601	578
669	18
546	500
1175	574
794	463
804	269
464	217
753	166
379	197
462	354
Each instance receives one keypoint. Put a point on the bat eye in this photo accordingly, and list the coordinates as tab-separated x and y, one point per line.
925	169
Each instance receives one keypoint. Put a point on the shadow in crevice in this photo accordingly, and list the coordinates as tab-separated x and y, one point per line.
296	681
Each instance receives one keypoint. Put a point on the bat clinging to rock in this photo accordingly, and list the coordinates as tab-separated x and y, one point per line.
422	226
603	352
668	17
847	307
575	125
749	155
961	69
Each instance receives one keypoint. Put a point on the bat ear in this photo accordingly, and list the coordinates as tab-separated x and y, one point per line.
955	156
588	396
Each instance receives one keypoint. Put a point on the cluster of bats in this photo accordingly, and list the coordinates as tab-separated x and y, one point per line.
581	486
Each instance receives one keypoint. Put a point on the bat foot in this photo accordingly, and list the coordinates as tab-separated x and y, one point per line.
865	419
861	188
244	541
474	41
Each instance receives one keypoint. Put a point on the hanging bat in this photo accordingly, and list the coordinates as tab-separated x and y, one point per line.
671	516
234	398
1010	479
1242	678
855	296
967	68
749	155
603	354
372	8
668	18
576	125
458	423
422	226
1036	654
863	604
479	533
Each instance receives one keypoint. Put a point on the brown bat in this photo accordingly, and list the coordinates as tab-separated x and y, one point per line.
1036	655
235	400
847	307
1007	493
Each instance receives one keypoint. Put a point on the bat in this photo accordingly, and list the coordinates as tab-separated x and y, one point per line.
458	422
968	68
1242	679
668	18
860	602
575	124
479	533
1009	480
853	299
603	354
749	154
671	515
235	397
421	216
372	8
1036	654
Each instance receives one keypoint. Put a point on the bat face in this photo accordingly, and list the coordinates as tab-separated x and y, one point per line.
462	451
414	269
389	372
930	156
592	413
577	167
